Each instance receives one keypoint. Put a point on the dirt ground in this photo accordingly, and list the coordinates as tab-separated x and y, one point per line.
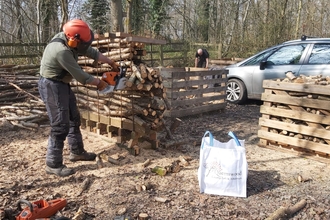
129	189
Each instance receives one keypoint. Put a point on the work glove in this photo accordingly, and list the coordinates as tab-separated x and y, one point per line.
102	85
115	66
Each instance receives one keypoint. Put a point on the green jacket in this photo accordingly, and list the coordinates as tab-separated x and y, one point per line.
58	58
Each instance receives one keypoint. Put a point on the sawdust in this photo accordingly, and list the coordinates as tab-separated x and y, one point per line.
275	178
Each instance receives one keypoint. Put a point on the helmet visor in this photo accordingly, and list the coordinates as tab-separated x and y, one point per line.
83	46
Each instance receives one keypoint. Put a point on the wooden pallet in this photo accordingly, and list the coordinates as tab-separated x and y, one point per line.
296	118
122	129
190	93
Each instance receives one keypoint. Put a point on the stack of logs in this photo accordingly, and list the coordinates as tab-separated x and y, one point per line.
19	97
144	99
302	79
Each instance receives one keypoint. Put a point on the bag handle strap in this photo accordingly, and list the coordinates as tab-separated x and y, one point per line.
231	134
211	138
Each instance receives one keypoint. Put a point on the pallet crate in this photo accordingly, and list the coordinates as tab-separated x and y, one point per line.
191	91
124	128
295	118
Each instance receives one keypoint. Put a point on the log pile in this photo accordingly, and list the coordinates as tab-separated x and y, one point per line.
19	97
144	99
145	103
317	80
296	115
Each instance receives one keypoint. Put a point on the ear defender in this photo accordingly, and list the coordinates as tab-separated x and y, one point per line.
73	42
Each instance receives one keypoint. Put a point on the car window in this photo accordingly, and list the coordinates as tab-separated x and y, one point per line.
320	54
257	59
287	55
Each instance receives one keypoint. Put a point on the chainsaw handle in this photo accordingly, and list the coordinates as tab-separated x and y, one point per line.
29	204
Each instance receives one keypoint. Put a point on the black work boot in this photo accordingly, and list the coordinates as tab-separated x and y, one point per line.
84	156
60	171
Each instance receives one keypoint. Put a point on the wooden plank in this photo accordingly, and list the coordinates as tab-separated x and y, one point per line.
195	110
197	101
300	129
178	84
167	72
191	83
196	69
297	87
294	141
145	40
308	155
182	75
298	101
195	92
298	115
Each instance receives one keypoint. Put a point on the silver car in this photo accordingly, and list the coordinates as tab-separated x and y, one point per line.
307	56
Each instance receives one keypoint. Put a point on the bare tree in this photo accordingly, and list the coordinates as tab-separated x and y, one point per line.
116	15
65	14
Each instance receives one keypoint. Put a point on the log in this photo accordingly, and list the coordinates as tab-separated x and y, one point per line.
91	62
143	70
137	73
18	118
119	52
22	126
143	216
131	80
26	92
121	56
146	163
88	98
27	66
290	75
106	41
151	70
285	212
93	70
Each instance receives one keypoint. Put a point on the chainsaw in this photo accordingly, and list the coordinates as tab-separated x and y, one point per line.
115	80
40	209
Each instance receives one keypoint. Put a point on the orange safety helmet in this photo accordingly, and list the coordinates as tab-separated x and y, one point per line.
78	31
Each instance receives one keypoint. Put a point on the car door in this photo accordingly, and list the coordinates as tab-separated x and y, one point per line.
286	58
318	61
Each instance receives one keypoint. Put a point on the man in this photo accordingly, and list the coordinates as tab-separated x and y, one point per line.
58	67
202	58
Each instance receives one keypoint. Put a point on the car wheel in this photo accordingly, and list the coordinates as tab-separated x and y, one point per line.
236	91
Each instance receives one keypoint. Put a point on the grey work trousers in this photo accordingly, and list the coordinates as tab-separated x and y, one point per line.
64	117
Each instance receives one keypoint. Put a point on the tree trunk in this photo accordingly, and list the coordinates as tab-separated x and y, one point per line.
116	16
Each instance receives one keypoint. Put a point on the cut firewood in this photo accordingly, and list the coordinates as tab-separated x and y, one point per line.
146	163
285	212
143	216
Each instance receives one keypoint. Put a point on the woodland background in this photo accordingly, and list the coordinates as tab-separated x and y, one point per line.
227	28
